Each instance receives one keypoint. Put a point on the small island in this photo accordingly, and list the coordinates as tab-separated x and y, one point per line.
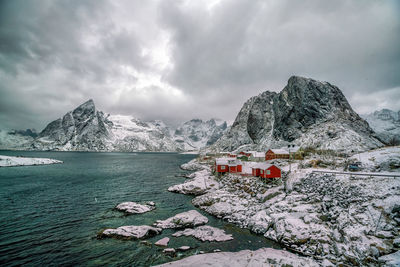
9	161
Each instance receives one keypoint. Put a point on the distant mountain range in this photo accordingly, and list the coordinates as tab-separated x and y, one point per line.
88	129
306	113
386	124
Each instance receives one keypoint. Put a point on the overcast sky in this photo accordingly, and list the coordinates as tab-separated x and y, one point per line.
178	60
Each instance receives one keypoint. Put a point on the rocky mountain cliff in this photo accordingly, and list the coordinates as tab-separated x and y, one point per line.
306	113
88	129
196	134
386	123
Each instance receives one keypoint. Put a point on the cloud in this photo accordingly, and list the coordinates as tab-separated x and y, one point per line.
177	60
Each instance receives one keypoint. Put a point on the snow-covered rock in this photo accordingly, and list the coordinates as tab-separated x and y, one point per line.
186	219
194	165
8	161
201	182
183	248
306	113
132	232
249	258
163	242
135	208
391	260
205	233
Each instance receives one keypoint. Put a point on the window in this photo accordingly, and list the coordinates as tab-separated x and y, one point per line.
261	171
222	167
268	172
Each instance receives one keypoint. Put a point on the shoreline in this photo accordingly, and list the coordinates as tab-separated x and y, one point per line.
306	220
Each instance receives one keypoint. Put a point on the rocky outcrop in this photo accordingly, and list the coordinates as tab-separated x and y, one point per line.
205	233
186	219
306	113
131	232
135	208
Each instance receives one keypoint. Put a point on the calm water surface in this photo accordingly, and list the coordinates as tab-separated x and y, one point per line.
50	214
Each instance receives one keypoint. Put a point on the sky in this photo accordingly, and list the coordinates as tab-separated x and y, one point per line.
176	60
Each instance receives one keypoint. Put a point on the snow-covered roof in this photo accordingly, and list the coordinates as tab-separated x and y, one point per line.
279	151
262	165
222	161
258	154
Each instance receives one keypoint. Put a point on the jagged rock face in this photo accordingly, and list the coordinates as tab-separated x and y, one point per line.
196	134
386	123
82	129
261	120
307	113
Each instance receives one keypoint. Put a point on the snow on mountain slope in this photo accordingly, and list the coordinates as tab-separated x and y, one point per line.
131	134
305	113
16	139
196	134
386	123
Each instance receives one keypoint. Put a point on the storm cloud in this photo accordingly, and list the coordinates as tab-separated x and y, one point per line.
178	60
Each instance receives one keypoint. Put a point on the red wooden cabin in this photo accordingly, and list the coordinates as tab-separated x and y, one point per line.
221	165
270	172
265	170
230	165
276	154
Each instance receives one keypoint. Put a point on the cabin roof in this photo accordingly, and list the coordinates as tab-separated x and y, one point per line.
262	165
279	151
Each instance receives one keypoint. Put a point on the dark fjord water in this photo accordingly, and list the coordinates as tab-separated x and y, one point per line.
50	214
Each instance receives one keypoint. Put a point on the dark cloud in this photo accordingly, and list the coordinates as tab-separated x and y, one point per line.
176	60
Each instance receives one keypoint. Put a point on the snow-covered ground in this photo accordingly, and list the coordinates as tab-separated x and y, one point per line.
383	159
339	218
8	161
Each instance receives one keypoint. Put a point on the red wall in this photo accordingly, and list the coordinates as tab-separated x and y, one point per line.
269	155
239	168
219	169
255	172
275	172
232	169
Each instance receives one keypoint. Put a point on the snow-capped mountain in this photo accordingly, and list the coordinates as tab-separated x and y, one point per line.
88	129
386	123
196	134
16	138
307	113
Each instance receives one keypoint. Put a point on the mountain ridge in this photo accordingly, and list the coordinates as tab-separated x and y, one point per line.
306	112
